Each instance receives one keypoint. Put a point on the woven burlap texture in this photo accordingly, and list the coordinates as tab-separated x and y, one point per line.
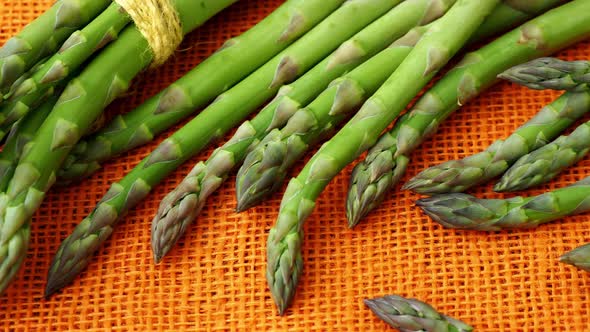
214	279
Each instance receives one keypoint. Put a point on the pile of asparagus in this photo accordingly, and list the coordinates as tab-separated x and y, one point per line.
532	155
328	64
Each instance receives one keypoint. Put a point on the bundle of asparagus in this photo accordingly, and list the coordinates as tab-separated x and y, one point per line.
30	170
182	205
387	160
324	62
229	109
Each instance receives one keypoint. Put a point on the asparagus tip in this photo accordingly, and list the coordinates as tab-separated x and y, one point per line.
354	218
244	204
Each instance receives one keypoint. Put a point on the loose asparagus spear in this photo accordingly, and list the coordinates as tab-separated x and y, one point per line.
13	249
432	52
387	160
579	257
43	36
545	163
169	225
77	49
411	315
266	166
464	211
459	175
551	73
226	112
73	114
237	58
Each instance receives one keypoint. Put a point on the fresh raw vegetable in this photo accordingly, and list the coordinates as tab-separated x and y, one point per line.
579	257
78	48
169	224
13	250
235	60
413	315
551	73
459	175
433	51
77	108
266	166
226	112
43	36
464	211
545	163
22	133
386	162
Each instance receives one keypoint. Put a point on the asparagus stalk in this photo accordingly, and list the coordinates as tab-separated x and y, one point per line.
413	315
169	224
43	36
13	249
462	211
387	161
77	49
459	175
22	133
545	163
579	257
226	112
265	167
236	59
75	111
551	73
439	44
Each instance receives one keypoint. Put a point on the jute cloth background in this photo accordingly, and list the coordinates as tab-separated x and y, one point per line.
214	279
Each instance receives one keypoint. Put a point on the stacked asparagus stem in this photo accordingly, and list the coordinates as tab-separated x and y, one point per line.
543	164
72	54
77	108
324	62
440	43
238	58
388	159
170	223
227	111
43	37
463	211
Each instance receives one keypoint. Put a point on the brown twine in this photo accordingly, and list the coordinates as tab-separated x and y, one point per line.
159	23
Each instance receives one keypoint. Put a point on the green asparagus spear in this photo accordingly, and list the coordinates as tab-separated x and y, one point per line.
13	249
551	73
579	257
237	58
266	166
22	133
413	315
75	111
545	163
512	13
439	44
169	224
458	210
387	160
43	36
459	175
227	111
77	49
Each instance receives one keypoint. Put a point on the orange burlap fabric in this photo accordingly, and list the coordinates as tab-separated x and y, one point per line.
214	280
